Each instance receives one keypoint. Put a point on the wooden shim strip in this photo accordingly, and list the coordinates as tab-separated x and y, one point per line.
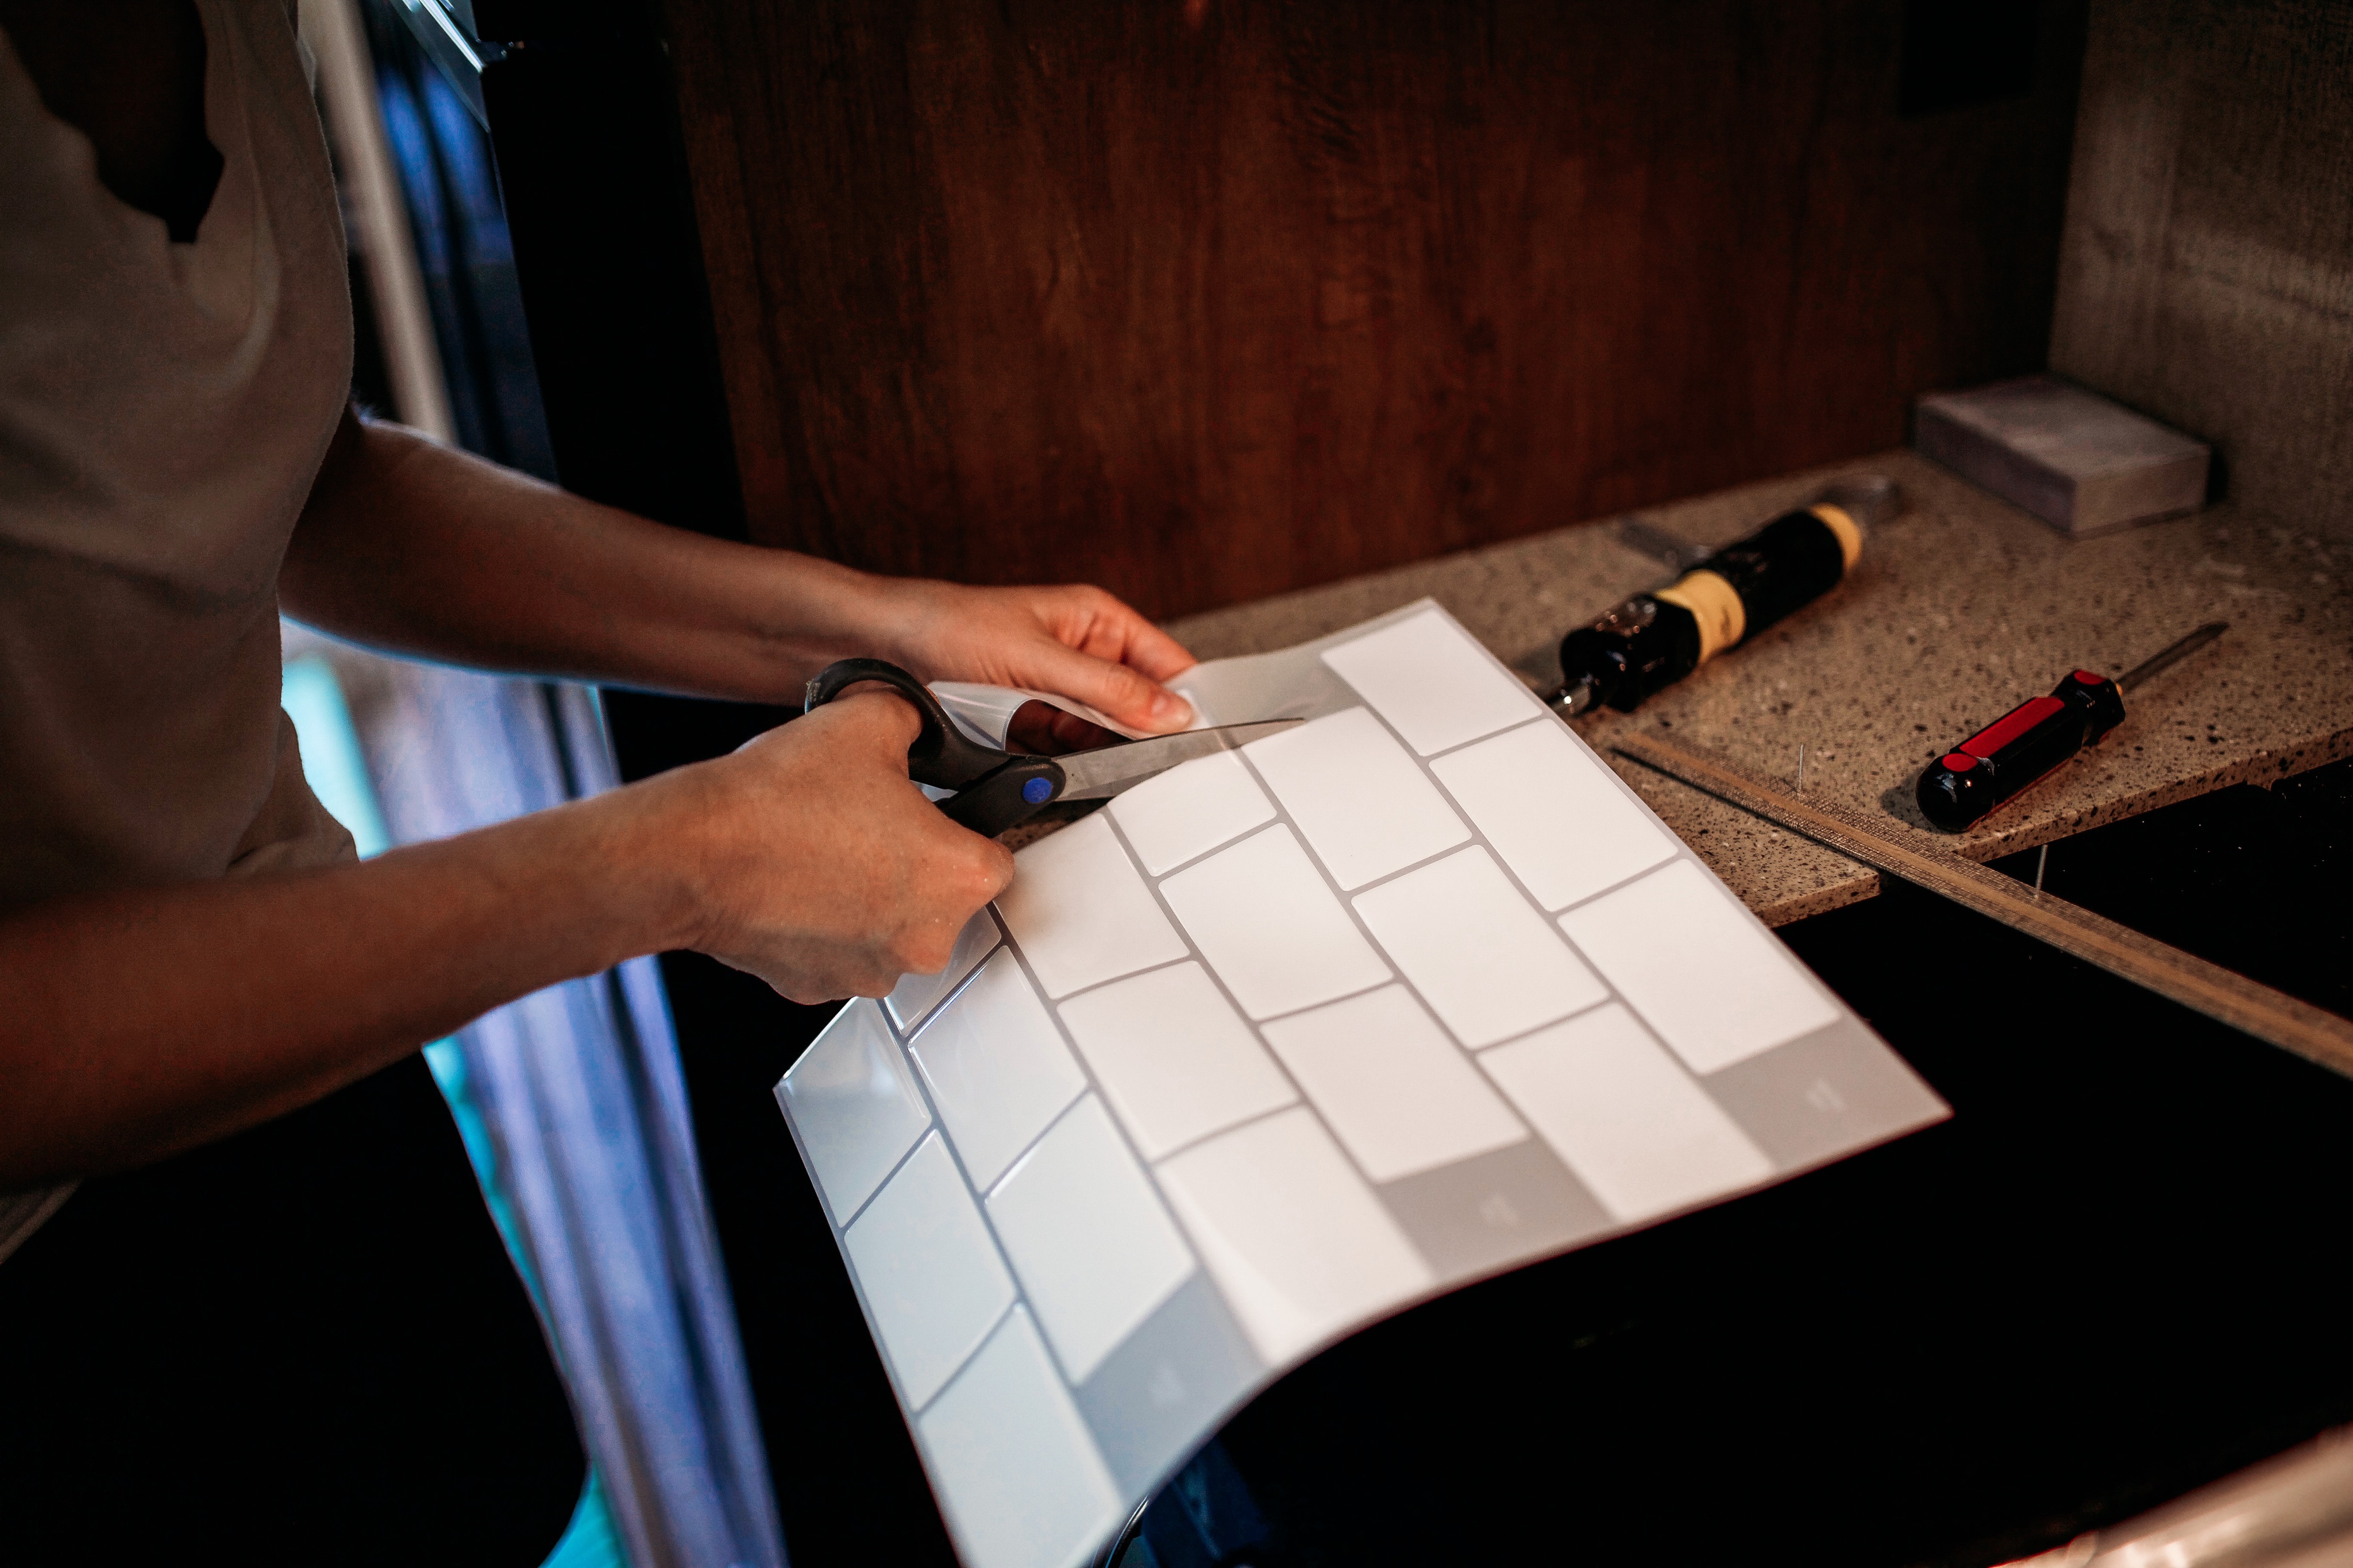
1899	849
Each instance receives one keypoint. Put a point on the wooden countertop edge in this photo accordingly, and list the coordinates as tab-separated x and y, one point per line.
2266	767
1896	848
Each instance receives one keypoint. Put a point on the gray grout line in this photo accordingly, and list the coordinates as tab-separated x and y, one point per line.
899	1164
1327	1002
1473	741
1612	998
965	1366
1092	986
1252	1119
1677	853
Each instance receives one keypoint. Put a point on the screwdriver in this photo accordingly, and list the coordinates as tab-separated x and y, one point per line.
2036	736
1728	595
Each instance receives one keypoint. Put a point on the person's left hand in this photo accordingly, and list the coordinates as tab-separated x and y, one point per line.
1073	640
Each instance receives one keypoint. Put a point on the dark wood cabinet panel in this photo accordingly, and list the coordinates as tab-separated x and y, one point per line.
1205	299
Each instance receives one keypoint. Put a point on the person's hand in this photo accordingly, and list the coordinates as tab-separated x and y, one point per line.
813	863
1072	640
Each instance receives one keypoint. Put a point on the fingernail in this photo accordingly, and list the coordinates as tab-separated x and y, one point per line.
1171	708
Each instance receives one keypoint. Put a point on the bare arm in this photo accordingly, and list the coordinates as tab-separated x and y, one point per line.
135	1024
413	546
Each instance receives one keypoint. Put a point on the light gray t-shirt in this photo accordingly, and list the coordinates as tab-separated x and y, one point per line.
164	409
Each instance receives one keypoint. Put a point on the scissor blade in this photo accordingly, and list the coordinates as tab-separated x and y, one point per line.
1105	772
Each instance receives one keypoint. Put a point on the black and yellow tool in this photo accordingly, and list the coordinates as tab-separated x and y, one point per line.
1724	599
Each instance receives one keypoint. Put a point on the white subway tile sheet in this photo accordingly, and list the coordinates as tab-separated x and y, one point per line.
1174	1059
1434	685
855	1105
1190	810
916	995
1618	1110
1362	804
996	1068
1080	912
1271	927
1486	961
1555	813
1231	1058
1095	1249
1401	1096
1019	1476
1297	1244
1714	983
930	1273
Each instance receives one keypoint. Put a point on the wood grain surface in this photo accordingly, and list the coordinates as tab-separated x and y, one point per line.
1207	300
1901	850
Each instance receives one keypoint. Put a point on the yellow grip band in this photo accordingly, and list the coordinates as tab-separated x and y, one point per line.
1849	537
1714	604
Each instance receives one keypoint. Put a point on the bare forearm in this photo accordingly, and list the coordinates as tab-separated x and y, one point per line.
141	1023
421	549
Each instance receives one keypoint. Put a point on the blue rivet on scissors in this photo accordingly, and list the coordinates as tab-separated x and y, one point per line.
1037	792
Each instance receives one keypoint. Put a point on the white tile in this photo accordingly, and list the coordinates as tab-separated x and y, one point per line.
1094	1248
1298	1244
928	1271
1624	1116
916	995
1400	1095
1429	680
1717	985
1269	925
1477	950
1190	810
1554	811
1175	1059
1365	807
996	1068
1018	1476
1081	911
855	1106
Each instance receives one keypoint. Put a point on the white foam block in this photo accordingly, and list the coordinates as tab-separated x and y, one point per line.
1554	811
1434	685
932	1276
1624	1116
1296	1242
1477	950
1715	984
1190	810
1018	1472
1174	1059
854	1103
1365	807
1270	925
996	1068
1400	1095
916	995
1081	911
1090	1241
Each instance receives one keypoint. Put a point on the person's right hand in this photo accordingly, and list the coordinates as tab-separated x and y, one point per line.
813	863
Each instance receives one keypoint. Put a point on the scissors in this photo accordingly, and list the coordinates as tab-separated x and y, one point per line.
997	789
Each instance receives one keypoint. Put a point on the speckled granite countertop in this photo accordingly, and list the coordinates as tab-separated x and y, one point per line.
1958	609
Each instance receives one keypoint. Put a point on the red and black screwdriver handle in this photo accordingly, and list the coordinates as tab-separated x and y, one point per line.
2018	748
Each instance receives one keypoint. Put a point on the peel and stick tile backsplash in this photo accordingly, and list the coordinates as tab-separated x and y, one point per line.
1281	1042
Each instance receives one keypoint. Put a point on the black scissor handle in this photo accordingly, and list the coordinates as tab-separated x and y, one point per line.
995	789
